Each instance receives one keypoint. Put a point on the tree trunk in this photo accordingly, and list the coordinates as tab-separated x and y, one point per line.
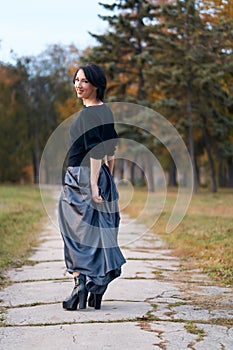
172	181
190	136
222	174
36	158
141	81
149	173
209	153
230	172
132	173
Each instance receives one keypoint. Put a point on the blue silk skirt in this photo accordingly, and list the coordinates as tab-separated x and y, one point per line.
90	230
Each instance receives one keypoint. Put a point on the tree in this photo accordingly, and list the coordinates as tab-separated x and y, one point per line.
174	56
48	86
14	148
190	67
36	95
127	38
125	49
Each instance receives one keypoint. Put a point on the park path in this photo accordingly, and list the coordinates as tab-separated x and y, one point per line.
157	303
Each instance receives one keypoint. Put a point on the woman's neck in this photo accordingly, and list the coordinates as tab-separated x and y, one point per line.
89	103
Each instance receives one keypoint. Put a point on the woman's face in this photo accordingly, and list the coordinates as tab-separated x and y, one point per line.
83	87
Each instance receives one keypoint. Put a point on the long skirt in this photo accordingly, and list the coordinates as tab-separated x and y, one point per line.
90	230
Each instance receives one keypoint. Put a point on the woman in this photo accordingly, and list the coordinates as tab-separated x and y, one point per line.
88	206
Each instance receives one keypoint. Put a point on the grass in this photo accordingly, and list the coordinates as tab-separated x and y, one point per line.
193	329
205	236
20	213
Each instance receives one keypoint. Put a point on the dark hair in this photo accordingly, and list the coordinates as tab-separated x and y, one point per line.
95	76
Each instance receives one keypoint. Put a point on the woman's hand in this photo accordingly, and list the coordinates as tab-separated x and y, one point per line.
95	169
95	194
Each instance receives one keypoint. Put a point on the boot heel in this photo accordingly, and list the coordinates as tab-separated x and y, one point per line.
83	299
98	299
91	300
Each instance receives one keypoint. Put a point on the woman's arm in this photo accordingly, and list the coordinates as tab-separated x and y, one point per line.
95	170
110	163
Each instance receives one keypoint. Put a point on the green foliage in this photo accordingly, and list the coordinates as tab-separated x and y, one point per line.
175	57
14	147
31	93
126	49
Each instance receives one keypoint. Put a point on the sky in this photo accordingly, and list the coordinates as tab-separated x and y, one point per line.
27	27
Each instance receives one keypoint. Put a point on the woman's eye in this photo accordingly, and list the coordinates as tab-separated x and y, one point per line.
82	81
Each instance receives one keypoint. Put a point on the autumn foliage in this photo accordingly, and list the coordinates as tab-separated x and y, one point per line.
172	56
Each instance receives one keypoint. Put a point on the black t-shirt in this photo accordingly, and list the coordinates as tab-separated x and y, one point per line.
92	134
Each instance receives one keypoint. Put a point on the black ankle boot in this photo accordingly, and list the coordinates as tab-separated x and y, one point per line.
78	295
91	300
94	300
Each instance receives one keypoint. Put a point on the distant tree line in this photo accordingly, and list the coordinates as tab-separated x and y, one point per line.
36	93
172	56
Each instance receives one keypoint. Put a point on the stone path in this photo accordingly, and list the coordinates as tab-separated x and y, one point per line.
157	303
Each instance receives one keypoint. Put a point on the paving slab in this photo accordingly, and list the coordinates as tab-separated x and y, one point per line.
50	228
216	337
146	268
214	290
175	336
187	276
139	290
54	314
147	255
27	293
152	243
133	234
52	243
194	312
39	271
158	254
98	336
47	254
166	311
